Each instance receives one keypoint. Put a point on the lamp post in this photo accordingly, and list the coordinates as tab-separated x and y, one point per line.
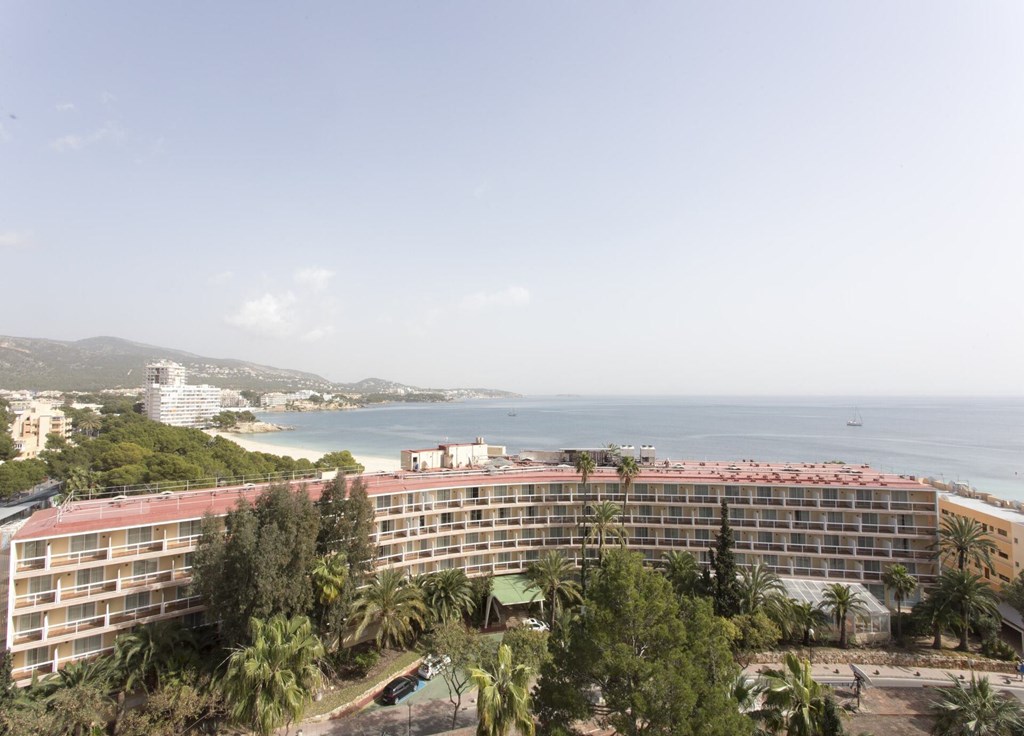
810	646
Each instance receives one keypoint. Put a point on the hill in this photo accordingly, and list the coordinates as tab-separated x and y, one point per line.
98	363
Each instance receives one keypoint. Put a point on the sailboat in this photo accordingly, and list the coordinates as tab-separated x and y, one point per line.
856	421
512	413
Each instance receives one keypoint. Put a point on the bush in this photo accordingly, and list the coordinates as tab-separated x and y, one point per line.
998	649
363	662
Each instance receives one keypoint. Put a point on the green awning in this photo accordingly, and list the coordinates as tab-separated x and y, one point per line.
511	590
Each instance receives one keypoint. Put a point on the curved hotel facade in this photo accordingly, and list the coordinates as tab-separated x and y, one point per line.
74	578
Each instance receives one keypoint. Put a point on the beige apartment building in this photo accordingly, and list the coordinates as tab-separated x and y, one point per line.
1004	522
33	421
72	579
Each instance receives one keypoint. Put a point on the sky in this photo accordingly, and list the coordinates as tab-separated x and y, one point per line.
582	197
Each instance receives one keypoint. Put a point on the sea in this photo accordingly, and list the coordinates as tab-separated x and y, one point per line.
979	441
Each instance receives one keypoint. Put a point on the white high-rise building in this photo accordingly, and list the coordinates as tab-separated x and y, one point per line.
170	400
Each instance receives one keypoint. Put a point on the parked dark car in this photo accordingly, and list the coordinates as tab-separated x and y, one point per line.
397	689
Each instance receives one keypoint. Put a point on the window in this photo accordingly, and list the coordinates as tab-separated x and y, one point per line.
474	493
37	656
864	495
700	490
446	518
732	491
796	493
140	535
81	612
737	513
84	543
476	515
88	645
870	519
671	489
831	540
386	526
764	492
830	494
136	600
835	517
189	558
144	567
41	584
445	494
88	577
837	564
190	528
33	549
866	542
646	511
383	502
706	512
28	622
555	489
501	535
675	511
770	515
798	539
872	566
671	533
703	535
802	516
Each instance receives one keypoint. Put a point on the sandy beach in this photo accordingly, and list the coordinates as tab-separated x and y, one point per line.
250	442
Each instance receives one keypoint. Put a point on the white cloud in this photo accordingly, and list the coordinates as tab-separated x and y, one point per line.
65	106
313	278
270	314
513	296
219	279
317	333
107	97
75	142
14	239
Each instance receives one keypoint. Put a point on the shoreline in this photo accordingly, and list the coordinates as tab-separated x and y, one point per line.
372	463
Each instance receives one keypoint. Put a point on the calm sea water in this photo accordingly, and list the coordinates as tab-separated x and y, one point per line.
976	440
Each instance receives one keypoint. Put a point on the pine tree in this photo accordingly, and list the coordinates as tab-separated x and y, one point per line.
726	586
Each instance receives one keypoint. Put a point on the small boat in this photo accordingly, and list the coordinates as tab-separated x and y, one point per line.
856	421
513	413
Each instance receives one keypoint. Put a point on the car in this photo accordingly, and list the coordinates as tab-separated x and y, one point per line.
432	666
535	624
398	689
122	497
249	485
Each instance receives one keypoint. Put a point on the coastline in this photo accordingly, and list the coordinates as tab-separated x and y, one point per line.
249	442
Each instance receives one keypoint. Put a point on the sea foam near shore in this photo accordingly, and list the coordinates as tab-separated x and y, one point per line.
249	442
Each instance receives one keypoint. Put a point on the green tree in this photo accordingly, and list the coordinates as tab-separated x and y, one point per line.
794	700
968	594
800	618
585	465
394	604
503	703
77	696
7	449
268	683
463	646
261	564
529	647
448	594
759	588
8	690
726	592
89	422
975	710
605	525
552	574
663	665
965	540
628	470
144	655
842	602
683	571
342	460
901	583
935	614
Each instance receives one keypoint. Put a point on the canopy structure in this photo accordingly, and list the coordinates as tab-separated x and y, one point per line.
871	626
512	590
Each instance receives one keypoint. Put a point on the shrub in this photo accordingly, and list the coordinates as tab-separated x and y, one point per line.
364	662
998	649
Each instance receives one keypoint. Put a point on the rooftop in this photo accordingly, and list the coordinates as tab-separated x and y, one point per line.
1006	513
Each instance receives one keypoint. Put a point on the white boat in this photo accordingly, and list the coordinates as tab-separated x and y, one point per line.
856	421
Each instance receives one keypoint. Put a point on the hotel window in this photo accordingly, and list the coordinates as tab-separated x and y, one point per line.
81	612
870	519
41	584
531	555
837	563
831	540
501	535
830	494
1002	532
555	489
140	535
561	510
640	489
426	545
611	488
765	537
732	491
798	539
866	542
474	492
764	492
769	515
531	511
142	568
84	543
189	558
446	518
643	533
901	497
864	495
387	525
505	512
383	502
190	528
89	576
872	566
37	656
706	512
675	512
136	600
802	516
739	514
533	533
835	517
88	645
671	533
476	515
528	489
772	560
802	562
796	494
646	511
500	491
445	494
443	542
671	489
703	535
28	622
504	557
33	549
700	490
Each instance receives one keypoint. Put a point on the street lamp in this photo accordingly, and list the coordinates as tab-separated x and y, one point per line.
810	645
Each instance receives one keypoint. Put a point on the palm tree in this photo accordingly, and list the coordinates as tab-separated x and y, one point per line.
800	620
758	588
330	573
78	695
628	470
89	422
396	604
584	466
935	613
449	594
970	595
604	525
144	655
975	710
965	540
682	570
552	574
841	602
269	683
794	702
901	583
503	702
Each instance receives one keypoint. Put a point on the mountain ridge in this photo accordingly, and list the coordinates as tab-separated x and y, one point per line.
106	362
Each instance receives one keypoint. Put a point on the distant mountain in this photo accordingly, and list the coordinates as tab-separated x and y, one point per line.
98	363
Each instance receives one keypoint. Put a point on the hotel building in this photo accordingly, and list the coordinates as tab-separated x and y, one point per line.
72	579
33	421
1003	521
170	400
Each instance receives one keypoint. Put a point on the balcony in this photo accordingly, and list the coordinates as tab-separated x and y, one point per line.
74	627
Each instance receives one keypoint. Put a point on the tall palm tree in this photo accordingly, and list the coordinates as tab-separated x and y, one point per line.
89	422
605	525
269	683
503	702
977	710
394	603
627	470
330	573
449	594
901	583
968	594
584	466
78	696
682	570
841	602
935	613
552	574
143	656
966	541
759	587
794	702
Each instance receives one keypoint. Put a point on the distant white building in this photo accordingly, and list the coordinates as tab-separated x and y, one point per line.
32	423
168	399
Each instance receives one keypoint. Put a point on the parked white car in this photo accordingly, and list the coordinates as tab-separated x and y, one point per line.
535	624
432	666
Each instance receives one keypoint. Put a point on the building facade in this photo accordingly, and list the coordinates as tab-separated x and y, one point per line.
33	421
74	578
1003	521
170	400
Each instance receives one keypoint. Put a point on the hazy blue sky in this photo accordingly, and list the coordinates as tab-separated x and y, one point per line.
751	198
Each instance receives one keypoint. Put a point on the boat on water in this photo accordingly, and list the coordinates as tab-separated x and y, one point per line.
512	413
856	420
